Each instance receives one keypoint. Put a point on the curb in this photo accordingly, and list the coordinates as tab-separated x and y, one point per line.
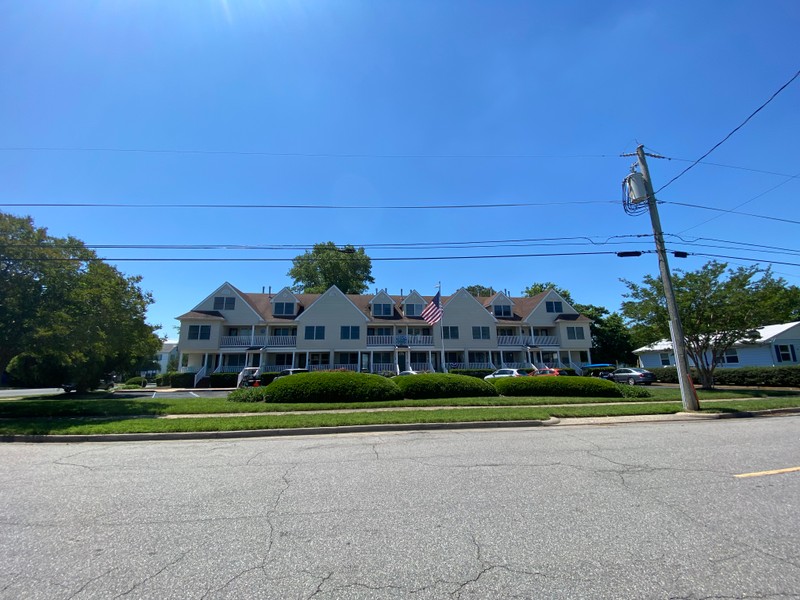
254	433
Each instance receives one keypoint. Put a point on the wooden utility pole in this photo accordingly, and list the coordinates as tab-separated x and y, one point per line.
688	393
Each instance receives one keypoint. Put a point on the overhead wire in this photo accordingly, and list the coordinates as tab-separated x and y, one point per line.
727	137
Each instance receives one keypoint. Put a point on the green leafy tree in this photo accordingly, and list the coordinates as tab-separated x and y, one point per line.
480	290
718	307
538	288
347	268
64	312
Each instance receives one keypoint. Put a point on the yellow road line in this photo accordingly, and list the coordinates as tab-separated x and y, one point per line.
775	472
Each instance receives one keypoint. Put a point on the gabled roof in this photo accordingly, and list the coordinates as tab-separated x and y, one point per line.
766	335
202	314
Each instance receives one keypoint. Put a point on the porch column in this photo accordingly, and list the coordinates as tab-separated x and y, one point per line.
253	335
331	356
294	359
466	359
219	361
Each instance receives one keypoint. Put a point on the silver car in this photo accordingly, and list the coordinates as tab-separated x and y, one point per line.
506	373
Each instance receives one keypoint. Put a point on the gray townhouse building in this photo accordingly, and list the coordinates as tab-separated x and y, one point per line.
379	333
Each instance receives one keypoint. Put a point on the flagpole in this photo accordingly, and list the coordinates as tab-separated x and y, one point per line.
441	325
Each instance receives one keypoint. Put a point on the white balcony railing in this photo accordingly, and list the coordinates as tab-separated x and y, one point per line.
399	340
513	340
239	341
545	340
282	341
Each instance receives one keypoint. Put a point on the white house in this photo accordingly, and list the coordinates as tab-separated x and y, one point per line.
380	332
776	345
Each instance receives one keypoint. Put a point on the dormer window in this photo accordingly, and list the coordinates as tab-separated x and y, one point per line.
283	308
502	310
224	302
413	310
382	310
554	307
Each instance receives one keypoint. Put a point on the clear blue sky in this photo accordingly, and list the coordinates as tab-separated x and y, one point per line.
378	104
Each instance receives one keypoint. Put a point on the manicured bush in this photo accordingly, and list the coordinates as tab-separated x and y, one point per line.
181	380
223	380
588	387
248	394
479	373
267	378
443	385
744	376
341	386
140	381
634	391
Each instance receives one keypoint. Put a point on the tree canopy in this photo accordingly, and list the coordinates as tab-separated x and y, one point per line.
327	264
718	307
539	287
480	290
64	313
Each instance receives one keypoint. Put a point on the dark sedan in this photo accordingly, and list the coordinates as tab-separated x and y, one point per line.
632	376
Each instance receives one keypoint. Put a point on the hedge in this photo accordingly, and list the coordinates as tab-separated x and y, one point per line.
223	380
336	386
175	379
479	373
140	381
588	387
744	376
443	385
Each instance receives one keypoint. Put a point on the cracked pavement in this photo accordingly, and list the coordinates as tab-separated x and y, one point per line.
634	511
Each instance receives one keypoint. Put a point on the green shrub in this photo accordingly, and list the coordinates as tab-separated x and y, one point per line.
479	373
140	381
588	387
338	386
223	380
634	391
267	378
248	394
443	385
744	376
181	380
162	379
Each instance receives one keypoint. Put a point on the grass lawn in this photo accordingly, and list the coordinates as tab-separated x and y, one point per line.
103	413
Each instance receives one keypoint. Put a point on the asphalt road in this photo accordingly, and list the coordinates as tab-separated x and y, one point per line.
626	511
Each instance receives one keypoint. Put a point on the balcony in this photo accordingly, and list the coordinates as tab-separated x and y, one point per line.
281	341
542	341
242	341
399	340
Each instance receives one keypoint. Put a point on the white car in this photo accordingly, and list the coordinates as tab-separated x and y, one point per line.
407	373
506	373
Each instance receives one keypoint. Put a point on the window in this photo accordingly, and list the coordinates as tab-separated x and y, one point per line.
382	310
730	357
480	333
449	332
419	331
199	332
315	332
224	302
284	331
283	308
785	353
664	356
502	310
283	360
413	310
575	333
351	332
379	331
554	307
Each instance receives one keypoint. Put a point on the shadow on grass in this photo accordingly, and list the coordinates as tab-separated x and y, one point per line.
99	404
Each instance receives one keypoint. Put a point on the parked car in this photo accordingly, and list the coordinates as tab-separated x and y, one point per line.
632	376
409	372
506	373
548	372
287	372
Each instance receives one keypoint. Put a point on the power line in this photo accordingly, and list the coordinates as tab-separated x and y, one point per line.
733	212
764	193
297	206
292	154
734	130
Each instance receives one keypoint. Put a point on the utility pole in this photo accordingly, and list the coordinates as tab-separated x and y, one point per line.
688	393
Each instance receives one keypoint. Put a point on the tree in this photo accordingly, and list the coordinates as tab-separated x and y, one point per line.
718	307
538	288
65	313
480	290
327	264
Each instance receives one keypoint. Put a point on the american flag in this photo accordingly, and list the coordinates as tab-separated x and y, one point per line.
433	312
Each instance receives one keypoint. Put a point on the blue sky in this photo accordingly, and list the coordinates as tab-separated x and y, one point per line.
388	107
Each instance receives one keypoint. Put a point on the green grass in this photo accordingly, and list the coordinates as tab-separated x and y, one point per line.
82	426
